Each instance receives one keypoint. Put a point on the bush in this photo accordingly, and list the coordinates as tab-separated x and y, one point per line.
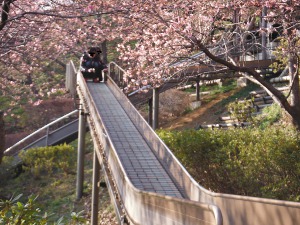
270	115
7	171
253	162
48	159
241	110
13	211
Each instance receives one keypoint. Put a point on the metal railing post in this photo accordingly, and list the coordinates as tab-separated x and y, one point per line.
198	89
119	76
155	106
47	135
150	112
80	153
95	189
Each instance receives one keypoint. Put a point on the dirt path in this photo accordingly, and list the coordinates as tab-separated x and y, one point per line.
208	113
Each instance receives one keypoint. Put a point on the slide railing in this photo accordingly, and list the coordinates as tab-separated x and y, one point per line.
44	132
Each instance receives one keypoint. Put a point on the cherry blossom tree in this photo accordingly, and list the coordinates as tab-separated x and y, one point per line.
158	39
156	35
37	39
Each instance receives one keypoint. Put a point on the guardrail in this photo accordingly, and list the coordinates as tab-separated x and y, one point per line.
13	149
117	73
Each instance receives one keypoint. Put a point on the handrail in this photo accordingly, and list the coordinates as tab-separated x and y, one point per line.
112	63
39	130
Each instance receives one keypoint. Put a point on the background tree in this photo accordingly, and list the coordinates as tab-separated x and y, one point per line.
165	32
37	39
152	36
2	136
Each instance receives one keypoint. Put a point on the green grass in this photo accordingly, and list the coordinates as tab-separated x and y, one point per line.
227	86
56	192
4	102
242	93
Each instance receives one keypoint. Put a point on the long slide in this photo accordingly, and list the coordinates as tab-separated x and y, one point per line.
151	184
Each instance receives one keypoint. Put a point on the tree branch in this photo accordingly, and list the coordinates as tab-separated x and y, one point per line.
5	11
271	90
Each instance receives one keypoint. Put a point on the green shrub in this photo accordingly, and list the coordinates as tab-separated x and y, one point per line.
241	110
253	162
270	115
49	159
7	171
14	212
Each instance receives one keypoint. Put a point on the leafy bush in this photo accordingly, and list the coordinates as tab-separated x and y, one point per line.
7	171
48	159
270	115
15	212
241	110
253	162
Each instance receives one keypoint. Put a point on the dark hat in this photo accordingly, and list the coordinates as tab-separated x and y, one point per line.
95	50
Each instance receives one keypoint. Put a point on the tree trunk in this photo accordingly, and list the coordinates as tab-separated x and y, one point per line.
104	52
294	82
2	136
292	110
4	13
295	93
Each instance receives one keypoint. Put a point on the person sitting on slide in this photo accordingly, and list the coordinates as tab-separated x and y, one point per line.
91	65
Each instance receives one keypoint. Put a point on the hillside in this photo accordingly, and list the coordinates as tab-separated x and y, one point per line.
207	113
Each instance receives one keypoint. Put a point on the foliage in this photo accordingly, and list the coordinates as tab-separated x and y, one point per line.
48	159
270	115
282	60
241	110
253	162
226	85
47	34
14	212
56	191
6	169
77	218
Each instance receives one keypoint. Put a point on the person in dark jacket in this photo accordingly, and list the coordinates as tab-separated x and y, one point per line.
91	65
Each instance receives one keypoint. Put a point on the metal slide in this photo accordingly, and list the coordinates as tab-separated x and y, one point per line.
152	185
64	134
148	191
